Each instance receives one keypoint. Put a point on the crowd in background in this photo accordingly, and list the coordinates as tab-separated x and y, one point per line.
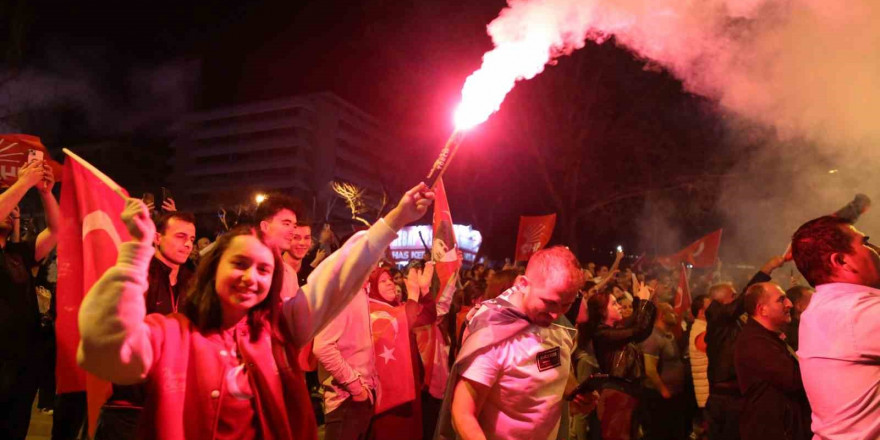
667	354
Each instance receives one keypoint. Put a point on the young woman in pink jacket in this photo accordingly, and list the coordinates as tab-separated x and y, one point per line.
220	368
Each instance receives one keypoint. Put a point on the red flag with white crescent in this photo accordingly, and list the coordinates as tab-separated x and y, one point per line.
534	234
393	356
701	253
88	243
14	153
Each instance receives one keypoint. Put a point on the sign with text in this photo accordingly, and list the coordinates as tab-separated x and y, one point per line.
409	246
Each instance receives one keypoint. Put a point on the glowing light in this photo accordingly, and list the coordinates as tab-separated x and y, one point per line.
485	89
834	171
260	198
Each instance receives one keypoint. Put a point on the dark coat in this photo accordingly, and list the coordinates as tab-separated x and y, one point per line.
723	325
769	376
160	297
615	347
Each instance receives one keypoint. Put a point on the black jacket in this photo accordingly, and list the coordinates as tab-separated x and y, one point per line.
723	325
769	376
160	297
615	347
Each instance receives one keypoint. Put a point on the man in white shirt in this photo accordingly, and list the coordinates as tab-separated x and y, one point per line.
839	349
511	386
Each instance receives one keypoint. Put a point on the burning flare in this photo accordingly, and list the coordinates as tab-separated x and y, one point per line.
527	35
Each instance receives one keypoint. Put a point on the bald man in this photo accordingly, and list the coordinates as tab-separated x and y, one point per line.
768	372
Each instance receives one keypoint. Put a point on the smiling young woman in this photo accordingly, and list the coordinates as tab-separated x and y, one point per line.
221	368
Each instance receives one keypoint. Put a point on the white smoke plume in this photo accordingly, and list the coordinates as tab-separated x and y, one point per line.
808	69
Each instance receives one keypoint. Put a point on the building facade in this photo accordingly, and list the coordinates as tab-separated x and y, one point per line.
224	157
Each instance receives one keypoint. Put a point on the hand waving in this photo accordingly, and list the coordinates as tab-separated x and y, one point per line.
137	219
644	292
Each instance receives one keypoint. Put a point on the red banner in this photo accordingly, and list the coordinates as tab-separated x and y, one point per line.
432	347
393	356
14	153
443	250
91	232
534	233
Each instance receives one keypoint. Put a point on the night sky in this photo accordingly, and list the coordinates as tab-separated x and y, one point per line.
405	63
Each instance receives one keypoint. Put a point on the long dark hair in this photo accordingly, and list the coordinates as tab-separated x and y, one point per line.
597	312
202	305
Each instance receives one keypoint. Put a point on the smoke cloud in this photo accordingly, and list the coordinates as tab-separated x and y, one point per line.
105	99
809	70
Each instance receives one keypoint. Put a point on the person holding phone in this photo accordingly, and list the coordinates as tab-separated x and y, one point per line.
19	312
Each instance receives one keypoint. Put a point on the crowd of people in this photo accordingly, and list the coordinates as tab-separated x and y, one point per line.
269	331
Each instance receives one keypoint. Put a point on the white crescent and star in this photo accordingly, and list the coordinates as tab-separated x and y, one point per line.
100	220
387	354
700	249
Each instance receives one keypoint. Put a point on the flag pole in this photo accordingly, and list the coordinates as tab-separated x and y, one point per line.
445	157
101	176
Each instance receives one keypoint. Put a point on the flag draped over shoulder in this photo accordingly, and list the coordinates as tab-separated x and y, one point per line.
88	243
393	355
534	234
14	153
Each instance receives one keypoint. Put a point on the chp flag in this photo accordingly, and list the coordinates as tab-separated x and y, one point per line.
14	153
393	355
88	243
534	233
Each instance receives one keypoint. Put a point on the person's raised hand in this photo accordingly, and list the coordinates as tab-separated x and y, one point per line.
773	264
320	255
45	187
412	206
643	292
168	205
137	219
411	281
425	277
31	173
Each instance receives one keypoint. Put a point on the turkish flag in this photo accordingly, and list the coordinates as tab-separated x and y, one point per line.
682	300
534	233
88	243
393	356
14	153
701	253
